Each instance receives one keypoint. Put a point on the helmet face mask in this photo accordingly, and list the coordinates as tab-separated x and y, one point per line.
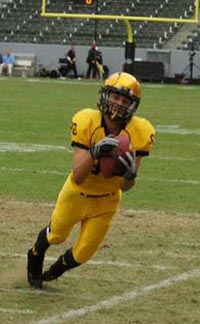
124	85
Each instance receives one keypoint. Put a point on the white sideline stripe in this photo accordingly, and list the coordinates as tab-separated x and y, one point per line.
195	182
26	147
172	158
188	244
185	181
64	82
101	263
115	300
16	311
29	148
175	129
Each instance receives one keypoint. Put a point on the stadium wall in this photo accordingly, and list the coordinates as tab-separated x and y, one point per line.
48	56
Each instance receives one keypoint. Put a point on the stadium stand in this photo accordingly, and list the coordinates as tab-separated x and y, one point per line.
192	40
20	22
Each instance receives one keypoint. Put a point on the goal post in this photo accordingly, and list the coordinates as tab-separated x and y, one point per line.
46	13
130	44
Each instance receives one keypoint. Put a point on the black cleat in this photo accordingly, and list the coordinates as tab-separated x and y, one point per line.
34	280
34	269
48	276
56	270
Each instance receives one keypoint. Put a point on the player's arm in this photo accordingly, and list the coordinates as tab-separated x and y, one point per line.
132	167
82	165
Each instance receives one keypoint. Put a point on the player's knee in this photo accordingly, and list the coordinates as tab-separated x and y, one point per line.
54	238
84	253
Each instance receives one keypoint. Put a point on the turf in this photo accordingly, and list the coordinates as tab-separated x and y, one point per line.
40	113
147	269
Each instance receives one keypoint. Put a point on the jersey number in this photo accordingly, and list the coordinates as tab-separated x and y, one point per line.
74	128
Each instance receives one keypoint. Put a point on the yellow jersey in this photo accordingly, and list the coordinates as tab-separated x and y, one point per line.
88	128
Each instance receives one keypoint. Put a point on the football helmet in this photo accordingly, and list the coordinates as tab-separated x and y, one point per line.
126	85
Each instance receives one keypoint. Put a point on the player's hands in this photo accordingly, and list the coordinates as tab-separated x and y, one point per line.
104	148
129	165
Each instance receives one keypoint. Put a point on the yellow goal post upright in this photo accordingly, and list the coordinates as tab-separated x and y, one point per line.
130	44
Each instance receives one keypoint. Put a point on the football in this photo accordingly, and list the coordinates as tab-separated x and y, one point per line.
111	166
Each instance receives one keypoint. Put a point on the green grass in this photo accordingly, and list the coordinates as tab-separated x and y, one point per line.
40	113
155	236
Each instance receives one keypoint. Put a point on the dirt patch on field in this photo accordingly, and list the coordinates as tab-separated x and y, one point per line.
22	221
24	211
34	214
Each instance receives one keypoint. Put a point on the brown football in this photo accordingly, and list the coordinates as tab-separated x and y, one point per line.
111	166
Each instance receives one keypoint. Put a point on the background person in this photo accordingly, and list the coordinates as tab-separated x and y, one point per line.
87	197
7	63
92	68
71	61
99	64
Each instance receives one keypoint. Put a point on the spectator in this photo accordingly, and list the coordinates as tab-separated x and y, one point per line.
91	62
7	63
71	61
99	64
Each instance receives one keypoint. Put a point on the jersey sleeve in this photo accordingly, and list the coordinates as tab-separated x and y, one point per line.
80	130
142	135
149	137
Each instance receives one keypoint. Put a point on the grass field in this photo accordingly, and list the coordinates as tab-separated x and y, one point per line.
147	269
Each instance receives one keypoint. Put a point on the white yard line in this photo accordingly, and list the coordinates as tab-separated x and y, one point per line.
100	263
16	311
28	147
176	129
55	172
118	299
184	181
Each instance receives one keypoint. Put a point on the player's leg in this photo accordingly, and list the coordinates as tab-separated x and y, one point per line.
1	68
89	70
36	258
75	70
92	232
10	67
56	233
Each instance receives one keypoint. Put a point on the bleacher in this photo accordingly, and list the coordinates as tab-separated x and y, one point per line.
193	40
20	22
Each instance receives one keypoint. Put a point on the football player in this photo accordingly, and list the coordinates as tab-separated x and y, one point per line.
87	197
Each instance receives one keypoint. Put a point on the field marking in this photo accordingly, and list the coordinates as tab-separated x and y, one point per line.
83	81
172	158
192	244
175	129
185	181
28	147
54	172
31	147
92	262
65	82
118	299
16	311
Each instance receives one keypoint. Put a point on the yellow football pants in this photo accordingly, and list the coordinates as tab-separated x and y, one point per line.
94	215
